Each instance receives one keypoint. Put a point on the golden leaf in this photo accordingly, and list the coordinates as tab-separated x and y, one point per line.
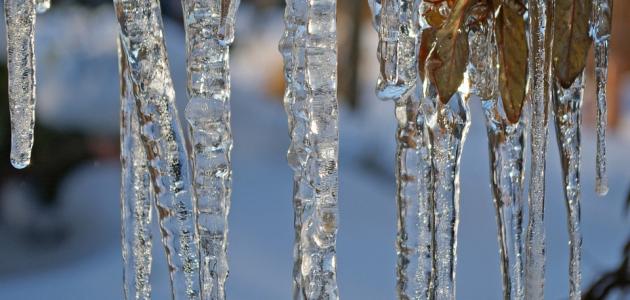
512	55
447	60
571	40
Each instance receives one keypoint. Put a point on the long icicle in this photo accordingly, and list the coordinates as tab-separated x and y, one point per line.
319	228
540	92
602	22
292	47
209	33
413	185
397	25
447	126
136	195
506	145
143	43
20	25
568	118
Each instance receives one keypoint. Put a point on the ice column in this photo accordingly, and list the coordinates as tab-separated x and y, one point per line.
209	33
136	195
143	44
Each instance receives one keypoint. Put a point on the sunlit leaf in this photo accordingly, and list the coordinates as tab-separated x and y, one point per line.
512	55
447	60
571	40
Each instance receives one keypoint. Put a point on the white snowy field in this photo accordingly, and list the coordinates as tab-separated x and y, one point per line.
78	87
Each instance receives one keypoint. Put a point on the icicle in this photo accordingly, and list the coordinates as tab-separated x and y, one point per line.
20	25
413	185
602	20
209	33
319	224
396	22
292	46
568	119
540	92
447	126
506	144
41	6
143	43
136	195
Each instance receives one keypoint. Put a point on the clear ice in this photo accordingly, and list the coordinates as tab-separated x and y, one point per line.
413	194
397	25
567	105
600	32
293	49
447	126
506	145
143	44
20	26
309	48
136	195
209	32
396	22
540	92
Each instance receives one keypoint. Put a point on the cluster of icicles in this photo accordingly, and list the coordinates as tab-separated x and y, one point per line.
191	191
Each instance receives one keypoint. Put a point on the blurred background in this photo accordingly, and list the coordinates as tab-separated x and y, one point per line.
60	221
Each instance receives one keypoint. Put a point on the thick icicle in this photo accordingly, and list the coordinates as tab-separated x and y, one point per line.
319	228
568	119
602	22
143	43
447	126
20	25
540	92
209	33
136	195
506	144
292	46
396	22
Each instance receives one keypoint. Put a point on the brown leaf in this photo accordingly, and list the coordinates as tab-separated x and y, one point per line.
426	43
512	55
447	60
571	40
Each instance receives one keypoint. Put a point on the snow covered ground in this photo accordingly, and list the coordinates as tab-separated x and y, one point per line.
88	264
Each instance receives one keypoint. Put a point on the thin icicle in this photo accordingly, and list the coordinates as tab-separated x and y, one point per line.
540	93
396	22
20	25
41	6
292	46
143	43
447	126
602	22
319	228
568	119
136	195
506	144
413	185
209	33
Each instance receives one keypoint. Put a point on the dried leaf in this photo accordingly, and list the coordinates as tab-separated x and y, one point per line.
512	55
447	60
571	40
426	43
